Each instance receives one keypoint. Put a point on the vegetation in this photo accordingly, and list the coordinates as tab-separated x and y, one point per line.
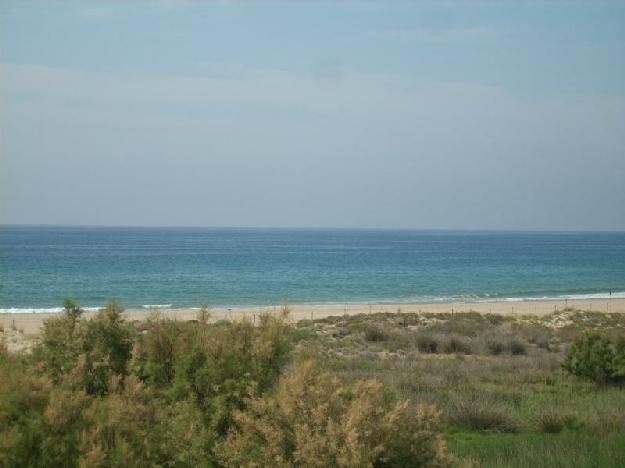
381	390
102	391
315	420
502	383
598	358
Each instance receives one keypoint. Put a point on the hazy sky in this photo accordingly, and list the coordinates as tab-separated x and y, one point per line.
493	115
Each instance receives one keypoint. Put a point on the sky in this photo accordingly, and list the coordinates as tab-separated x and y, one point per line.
427	115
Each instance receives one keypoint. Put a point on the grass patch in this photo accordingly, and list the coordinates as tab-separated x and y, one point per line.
375	334
531	450
553	422
474	412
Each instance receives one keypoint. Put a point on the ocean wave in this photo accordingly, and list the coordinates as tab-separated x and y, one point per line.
425	299
558	297
615	295
561	297
58	310
42	310
469	298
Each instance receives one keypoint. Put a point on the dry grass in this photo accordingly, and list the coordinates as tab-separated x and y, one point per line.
487	373
474	412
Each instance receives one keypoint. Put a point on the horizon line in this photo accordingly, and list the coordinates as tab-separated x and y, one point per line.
312	228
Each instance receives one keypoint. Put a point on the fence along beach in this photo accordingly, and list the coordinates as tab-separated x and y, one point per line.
31	323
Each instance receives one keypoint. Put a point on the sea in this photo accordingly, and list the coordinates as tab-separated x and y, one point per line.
238	267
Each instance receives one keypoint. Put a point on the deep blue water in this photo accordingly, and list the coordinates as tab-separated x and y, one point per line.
39	266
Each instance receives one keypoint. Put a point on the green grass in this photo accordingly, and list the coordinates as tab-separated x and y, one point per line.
532	450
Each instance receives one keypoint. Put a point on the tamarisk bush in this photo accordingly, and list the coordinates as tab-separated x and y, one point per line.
98	391
315	420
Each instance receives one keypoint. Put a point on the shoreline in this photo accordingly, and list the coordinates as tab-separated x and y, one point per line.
425	301
31	322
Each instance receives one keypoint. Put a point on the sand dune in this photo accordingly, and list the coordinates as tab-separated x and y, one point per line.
31	323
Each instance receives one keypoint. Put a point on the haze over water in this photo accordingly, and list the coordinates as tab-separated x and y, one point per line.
187	267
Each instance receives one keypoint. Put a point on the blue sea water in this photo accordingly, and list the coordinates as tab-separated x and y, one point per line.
186	267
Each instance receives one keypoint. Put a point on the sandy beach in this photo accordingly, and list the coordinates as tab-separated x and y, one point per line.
31	323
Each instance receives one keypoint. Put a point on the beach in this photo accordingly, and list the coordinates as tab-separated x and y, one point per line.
31	323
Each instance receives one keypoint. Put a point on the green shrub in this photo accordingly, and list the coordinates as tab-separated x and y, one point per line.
156	349
101	346
106	345
597	358
72	309
217	367
60	343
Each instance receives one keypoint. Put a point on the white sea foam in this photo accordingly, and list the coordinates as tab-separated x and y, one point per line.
471	298
43	310
562	297
410	300
19	310
615	295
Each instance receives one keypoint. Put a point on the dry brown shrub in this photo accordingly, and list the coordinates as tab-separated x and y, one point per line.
314	420
4	350
64	408
118	426
456	344
426	343
62	421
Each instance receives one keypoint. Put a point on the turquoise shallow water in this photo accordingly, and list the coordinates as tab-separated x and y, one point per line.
186	267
